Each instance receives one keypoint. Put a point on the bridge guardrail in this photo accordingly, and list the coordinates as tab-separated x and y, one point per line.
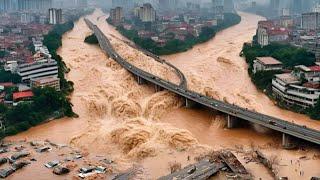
276	124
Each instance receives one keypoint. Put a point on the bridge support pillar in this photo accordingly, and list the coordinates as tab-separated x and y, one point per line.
288	141
231	121
140	80
190	103
157	88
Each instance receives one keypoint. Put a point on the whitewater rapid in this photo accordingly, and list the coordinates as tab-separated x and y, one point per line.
134	126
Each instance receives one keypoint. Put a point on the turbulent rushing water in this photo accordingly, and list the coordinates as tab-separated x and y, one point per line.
132	124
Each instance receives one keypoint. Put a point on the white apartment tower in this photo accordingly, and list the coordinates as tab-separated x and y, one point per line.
55	16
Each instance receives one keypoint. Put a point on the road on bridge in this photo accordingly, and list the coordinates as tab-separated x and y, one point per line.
276	124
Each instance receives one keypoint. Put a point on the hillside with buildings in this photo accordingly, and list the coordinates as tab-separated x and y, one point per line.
33	87
284	57
160	30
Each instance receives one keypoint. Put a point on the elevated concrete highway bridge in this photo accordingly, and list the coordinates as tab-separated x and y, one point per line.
234	113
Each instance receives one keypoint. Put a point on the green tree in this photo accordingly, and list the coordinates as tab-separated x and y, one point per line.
315	111
91	39
2	54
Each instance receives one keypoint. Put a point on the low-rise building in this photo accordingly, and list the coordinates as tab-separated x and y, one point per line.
299	88
11	66
278	35
22	96
310	74
53	82
266	64
42	68
269	32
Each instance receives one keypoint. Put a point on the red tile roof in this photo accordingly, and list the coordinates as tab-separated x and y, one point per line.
278	31
22	95
315	68
266	24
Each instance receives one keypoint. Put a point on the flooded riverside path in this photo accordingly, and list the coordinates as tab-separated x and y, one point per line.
133	125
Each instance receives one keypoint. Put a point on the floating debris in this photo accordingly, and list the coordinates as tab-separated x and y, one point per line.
52	164
19	155
3	150
19	165
6	172
204	169
44	149
91	170
210	164
60	170
106	161
3	161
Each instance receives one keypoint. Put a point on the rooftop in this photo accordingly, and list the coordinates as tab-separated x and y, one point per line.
278	31
269	61
288	78
315	68
20	95
44	80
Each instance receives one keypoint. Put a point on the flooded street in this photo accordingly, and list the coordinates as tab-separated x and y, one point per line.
134	126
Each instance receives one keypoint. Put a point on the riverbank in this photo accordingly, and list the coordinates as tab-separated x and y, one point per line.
175	45
46	103
290	56
215	68
136	127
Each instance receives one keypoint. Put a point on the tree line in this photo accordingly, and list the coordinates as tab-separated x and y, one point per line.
175	45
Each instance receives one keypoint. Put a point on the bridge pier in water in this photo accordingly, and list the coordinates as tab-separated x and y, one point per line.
157	88
231	121
288	142
140	80
190	103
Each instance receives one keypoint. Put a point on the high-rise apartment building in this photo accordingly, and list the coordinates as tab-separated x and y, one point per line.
296	6
55	16
125	4
8	5
34	5
275	7
116	15
168	4
310	21
228	6
147	13
218	9
81	3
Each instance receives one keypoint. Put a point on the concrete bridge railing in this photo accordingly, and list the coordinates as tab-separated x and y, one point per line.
234	113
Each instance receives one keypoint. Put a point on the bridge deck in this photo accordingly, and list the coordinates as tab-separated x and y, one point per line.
276	124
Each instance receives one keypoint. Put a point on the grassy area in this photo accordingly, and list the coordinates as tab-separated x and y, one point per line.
174	46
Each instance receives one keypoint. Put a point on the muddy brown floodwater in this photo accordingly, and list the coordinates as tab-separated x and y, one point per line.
134	126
